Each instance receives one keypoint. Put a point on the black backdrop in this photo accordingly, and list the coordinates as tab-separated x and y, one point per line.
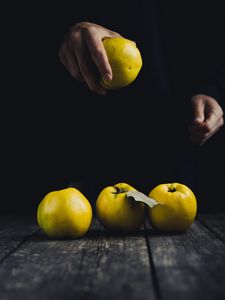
52	128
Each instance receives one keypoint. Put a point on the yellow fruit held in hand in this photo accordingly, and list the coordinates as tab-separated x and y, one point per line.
177	207
116	211
64	213
125	61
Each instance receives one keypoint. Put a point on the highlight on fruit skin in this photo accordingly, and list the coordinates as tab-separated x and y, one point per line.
116	211
125	61
64	213
176	209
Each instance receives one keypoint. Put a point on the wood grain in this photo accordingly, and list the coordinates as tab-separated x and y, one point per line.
215	223
98	266
189	265
103	265
14	231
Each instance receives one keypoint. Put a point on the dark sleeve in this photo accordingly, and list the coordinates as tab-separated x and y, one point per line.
211	56
213	85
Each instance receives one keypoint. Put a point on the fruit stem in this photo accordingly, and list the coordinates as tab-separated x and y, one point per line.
171	189
119	190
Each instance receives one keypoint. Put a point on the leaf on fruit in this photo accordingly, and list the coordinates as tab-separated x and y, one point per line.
140	197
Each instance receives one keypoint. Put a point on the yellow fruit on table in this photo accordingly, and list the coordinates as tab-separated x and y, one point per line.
176	209
64	213
125	61
116	211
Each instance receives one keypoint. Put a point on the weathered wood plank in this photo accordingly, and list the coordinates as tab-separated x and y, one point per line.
14	231
98	266
215	223
189	265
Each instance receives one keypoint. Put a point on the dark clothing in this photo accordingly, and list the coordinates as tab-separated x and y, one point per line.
137	134
182	43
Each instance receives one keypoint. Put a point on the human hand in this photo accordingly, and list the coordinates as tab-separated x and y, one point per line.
208	118
84	56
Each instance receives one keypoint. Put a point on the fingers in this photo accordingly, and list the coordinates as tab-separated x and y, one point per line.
200	139
213	117
208	118
198	108
98	53
84	56
69	61
203	134
87	69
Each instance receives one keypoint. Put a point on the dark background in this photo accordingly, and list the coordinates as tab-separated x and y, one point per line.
55	132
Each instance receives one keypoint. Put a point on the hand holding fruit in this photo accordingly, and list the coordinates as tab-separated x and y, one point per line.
83	54
90	50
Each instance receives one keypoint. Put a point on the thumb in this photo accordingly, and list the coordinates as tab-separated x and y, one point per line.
198	108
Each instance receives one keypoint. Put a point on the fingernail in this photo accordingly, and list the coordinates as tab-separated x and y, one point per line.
107	76
197	120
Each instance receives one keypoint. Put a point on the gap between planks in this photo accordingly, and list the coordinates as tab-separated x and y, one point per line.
22	242
209	225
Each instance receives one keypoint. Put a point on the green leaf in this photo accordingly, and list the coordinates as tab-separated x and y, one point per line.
140	197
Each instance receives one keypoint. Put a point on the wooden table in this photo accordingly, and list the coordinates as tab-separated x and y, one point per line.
144	265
